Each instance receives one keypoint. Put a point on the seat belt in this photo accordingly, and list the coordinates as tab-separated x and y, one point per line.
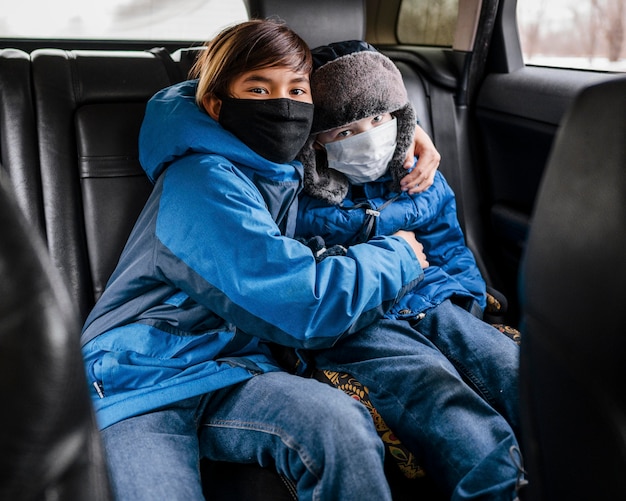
445	139
444	114
172	69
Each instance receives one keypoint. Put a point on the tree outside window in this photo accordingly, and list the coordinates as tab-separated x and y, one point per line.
586	34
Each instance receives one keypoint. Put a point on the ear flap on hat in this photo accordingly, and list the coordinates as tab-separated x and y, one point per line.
320	181
406	122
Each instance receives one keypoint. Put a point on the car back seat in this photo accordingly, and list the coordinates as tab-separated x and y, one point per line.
90	105
19	156
319	22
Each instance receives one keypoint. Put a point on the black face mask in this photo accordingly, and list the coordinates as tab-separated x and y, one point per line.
276	129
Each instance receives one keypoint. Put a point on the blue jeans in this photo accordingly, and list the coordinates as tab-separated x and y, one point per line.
448	387
319	438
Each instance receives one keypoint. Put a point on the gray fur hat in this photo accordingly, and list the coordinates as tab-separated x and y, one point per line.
351	81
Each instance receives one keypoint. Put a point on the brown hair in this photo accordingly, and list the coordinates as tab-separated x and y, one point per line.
251	45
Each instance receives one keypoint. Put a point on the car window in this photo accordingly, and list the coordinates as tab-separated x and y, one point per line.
585	34
195	20
427	22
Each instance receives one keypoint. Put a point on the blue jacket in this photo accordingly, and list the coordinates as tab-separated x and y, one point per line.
452	274
210	274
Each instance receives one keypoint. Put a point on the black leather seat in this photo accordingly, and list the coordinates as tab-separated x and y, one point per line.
50	444
18	135
319	22
574	343
90	105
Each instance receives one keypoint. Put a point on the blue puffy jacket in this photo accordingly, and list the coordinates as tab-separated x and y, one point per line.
452	274
210	274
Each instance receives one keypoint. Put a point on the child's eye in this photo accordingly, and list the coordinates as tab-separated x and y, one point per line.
343	134
377	119
258	90
298	92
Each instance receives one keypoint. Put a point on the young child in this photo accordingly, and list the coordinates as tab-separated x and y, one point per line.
445	381
176	348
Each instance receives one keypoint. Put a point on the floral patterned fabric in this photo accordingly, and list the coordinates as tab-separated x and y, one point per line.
405	459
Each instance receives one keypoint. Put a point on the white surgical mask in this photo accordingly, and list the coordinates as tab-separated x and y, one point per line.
364	157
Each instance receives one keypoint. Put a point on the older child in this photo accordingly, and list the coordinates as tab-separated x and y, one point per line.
176	347
442	379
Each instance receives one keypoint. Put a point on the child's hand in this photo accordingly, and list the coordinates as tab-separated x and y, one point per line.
422	176
417	247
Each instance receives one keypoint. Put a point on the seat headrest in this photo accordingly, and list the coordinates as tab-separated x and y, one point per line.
318	23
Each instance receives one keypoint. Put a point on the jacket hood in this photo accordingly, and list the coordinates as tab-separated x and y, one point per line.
175	126
351	80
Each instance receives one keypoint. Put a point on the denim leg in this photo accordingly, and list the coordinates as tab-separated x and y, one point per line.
460	439
314	435
487	359
155	455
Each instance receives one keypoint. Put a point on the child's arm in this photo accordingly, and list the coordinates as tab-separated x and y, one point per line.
422	176
444	244
378	216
